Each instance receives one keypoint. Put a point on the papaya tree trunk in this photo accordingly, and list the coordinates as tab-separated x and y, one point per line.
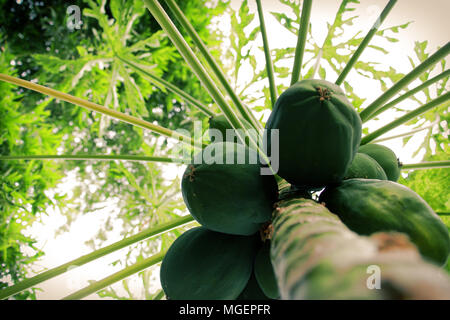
315	256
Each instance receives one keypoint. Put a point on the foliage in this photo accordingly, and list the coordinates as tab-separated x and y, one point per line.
431	185
23	184
332	55
84	64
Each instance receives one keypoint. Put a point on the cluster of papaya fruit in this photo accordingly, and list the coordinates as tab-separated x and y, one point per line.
224	258
228	256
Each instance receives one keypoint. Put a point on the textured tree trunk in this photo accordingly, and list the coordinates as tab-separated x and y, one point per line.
315	256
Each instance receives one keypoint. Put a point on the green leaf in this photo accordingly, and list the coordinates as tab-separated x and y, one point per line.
322	73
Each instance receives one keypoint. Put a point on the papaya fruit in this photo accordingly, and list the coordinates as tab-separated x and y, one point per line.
385	157
367	206
205	265
252	290
319	133
364	166
227	133
228	197
264	272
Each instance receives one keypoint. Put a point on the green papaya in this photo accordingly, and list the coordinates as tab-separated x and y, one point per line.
228	197
227	133
207	265
363	166
385	157
252	290
367	206
319	132
264	273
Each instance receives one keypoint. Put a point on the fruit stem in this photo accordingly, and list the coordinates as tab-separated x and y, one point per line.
174	89
181	18
410	115
95	157
269	65
101	109
120	275
365	41
183	48
371	109
410	93
301	40
426	165
406	134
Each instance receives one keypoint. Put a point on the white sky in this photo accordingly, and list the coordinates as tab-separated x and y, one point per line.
430	23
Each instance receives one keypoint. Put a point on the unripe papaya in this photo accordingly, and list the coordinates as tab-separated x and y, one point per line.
221	124
385	157
207	265
229	197
264	273
363	166
252	290
367	206
319	133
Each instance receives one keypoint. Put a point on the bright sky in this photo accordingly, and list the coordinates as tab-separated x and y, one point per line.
430	23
